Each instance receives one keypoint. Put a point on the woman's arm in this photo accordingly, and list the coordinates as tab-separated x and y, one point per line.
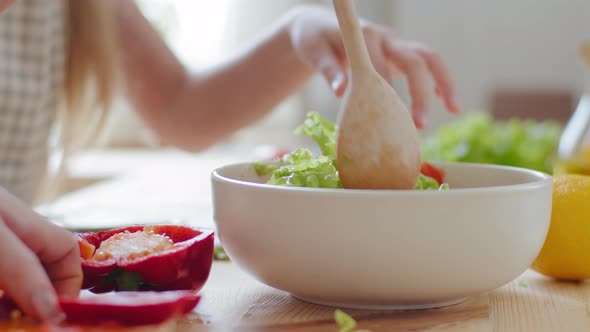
195	110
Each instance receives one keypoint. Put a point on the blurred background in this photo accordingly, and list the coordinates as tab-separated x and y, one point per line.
508	58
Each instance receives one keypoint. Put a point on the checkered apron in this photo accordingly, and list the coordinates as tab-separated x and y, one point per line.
32	54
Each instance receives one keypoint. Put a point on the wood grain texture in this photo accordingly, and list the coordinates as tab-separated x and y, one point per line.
233	301
535	303
278	311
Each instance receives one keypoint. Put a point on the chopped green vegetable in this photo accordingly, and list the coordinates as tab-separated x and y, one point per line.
126	281
219	254
522	284
479	139
345	322
425	183
305	170
263	169
322	131
301	168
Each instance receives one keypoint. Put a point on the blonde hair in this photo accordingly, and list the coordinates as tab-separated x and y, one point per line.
90	82
90	72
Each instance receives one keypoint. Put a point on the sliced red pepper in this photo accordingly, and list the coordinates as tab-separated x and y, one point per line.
129	308
432	171
185	264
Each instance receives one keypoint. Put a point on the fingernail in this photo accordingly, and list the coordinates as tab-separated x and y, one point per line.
337	82
419	120
47	308
454	105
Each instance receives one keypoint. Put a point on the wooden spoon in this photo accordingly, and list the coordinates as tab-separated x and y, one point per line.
378	144
584	51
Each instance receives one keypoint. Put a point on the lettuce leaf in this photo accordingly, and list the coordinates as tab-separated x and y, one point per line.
322	131
305	170
428	183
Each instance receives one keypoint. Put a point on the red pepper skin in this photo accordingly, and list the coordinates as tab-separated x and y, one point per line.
432	171
280	153
6	307
129	308
187	266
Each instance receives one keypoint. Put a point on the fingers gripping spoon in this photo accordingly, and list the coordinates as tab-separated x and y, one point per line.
378	144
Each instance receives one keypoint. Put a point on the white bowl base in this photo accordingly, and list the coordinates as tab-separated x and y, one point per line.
384	307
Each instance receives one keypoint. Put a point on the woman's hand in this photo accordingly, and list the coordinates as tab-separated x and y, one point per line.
315	36
40	261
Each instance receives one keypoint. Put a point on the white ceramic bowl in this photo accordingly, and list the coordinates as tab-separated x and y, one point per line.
385	249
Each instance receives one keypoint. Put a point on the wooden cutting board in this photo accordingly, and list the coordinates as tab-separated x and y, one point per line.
233	301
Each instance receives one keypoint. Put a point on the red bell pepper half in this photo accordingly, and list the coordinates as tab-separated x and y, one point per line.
432	171
122	259
129	308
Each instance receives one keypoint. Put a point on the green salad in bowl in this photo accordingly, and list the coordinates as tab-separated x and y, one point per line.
476	138
301	168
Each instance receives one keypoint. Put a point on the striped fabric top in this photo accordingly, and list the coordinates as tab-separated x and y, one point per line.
32	53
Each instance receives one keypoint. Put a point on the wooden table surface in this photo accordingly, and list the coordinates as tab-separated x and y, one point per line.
178	189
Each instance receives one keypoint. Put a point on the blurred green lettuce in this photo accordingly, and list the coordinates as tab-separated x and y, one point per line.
477	138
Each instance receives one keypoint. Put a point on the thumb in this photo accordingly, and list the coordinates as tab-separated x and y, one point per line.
332	68
336	77
25	280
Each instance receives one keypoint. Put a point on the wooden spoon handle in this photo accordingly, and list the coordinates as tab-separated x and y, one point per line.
584	49
352	36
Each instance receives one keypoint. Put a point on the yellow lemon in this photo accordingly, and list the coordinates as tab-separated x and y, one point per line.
578	164
566	252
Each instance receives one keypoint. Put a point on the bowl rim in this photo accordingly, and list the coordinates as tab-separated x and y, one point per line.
540	180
